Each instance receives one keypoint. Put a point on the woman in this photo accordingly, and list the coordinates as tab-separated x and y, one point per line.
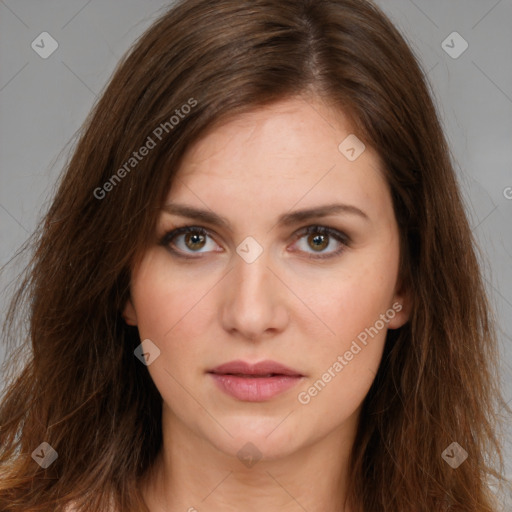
257	274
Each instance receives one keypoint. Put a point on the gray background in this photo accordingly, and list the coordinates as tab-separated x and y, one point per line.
44	101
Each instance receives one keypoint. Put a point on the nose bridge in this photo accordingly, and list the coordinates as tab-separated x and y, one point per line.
251	273
252	303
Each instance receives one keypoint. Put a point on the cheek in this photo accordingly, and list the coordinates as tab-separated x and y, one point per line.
175	310
357	311
353	299
164	298
170	305
358	318
344	364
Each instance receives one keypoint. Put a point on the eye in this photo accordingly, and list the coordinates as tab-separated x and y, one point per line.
319	237
195	238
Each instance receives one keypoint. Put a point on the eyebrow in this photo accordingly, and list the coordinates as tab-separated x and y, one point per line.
285	219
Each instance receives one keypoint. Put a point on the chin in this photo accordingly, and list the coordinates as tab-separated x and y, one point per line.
258	438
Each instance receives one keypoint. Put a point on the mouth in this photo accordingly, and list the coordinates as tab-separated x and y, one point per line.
254	382
249	376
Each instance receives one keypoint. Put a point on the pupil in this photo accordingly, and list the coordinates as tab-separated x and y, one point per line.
318	239
196	239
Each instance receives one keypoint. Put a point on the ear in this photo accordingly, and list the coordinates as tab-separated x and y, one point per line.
402	306
129	314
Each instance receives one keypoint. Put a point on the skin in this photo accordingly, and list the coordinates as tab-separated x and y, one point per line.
283	306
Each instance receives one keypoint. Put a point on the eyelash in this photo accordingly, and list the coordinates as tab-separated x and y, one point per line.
323	230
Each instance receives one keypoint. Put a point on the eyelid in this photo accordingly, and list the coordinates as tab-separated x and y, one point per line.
322	228
173	233
338	235
341	237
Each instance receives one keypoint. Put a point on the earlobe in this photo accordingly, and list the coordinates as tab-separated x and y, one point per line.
401	315
129	314
401	306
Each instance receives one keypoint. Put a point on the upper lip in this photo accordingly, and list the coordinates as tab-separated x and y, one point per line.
266	367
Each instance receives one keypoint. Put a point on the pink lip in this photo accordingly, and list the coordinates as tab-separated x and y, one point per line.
254	382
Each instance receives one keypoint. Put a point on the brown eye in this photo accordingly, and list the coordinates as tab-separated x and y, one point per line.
188	239
319	238
318	242
194	241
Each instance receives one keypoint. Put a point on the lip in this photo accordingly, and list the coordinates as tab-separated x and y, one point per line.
254	382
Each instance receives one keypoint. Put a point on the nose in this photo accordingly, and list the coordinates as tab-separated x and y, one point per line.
254	304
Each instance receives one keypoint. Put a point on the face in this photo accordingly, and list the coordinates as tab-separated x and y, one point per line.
309	296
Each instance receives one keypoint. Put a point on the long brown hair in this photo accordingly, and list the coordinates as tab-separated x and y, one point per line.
81	389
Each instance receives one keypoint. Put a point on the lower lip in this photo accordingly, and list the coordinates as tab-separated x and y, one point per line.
254	389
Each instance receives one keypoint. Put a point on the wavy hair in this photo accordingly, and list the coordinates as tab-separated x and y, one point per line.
80	387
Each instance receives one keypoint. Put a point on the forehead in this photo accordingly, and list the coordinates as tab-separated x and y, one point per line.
275	132
279	155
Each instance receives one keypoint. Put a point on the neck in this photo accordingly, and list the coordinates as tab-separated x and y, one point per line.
190	474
